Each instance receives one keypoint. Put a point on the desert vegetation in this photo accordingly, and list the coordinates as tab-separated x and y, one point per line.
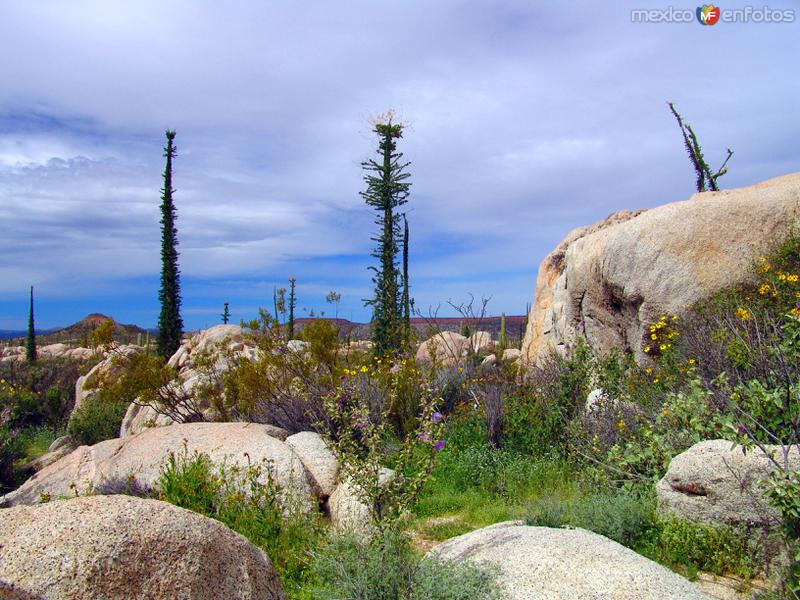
472	444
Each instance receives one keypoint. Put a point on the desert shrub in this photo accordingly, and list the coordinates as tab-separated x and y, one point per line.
146	379
558	390
386	568
36	440
98	419
43	392
359	432
322	337
692	547
248	500
280	387
11	450
624	516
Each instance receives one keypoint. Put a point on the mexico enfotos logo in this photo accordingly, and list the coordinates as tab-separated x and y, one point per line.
711	14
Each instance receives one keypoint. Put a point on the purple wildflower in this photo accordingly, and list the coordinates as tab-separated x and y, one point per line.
423	436
436	417
742	429
281	349
438	445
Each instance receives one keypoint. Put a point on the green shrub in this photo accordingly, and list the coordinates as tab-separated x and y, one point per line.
98	419
43	392
11	450
621	515
386	568
693	547
36	441
246	499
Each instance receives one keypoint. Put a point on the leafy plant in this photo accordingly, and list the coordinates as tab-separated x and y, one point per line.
386	568
98	419
359	434
248	500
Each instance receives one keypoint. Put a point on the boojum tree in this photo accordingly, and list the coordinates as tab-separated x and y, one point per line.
226	314
387	189
170	324
30	341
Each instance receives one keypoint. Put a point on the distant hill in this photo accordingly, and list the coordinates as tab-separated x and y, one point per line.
80	333
425	327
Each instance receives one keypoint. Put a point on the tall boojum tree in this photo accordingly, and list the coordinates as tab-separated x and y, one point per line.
387	189
170	324
30	340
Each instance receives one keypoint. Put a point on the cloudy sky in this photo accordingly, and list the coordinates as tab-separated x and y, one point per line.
524	120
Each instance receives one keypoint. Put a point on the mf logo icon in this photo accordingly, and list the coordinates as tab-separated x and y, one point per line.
708	14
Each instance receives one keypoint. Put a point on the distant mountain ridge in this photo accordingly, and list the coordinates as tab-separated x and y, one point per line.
80	333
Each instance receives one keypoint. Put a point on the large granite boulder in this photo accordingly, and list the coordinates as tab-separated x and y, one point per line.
607	282
120	547
714	482
137	460
540	563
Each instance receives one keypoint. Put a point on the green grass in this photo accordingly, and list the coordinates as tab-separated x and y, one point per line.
35	441
474	486
481	486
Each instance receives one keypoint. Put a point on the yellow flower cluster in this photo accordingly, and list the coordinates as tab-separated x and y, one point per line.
742	314
7	387
660	334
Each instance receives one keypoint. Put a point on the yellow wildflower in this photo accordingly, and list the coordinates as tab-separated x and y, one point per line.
647	348
652	328
764	289
692	361
662	347
742	314
653	336
656	380
648	371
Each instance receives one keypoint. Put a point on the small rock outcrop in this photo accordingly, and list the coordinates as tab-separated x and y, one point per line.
106	370
540	563
120	547
137	461
140	417
320	463
714	482
348	512
607	282
447	347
